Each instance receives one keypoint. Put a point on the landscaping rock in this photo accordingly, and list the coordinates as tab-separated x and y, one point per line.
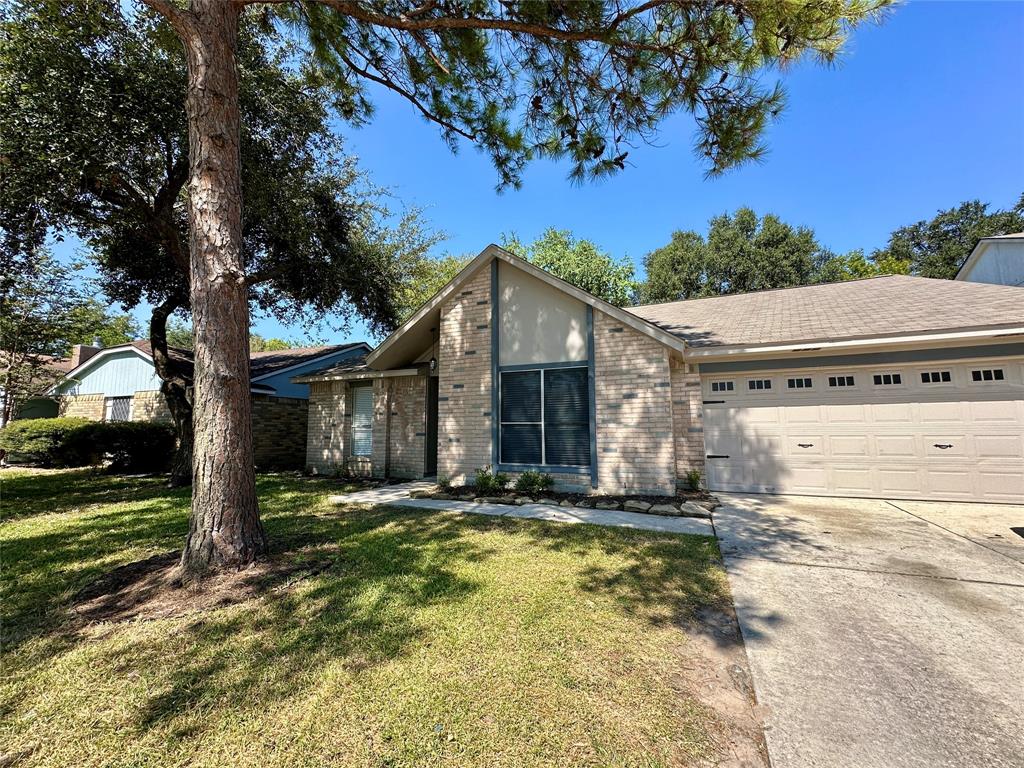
584	504
442	496
636	506
422	495
524	500
552	502
565	503
664	509
692	509
607	505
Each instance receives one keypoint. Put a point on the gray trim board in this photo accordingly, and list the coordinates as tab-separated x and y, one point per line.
592	389
894	357
540	366
549	468
495	300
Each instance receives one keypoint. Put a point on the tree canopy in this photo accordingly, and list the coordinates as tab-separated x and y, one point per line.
937	247
742	252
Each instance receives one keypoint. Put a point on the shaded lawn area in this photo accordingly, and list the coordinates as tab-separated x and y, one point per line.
425	639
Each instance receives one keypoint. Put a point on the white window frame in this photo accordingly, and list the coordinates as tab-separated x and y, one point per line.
761	390
722	388
108	406
901	385
800	377
984	381
369	426
844	376
936	384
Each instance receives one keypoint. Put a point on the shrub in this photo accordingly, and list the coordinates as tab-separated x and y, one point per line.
488	482
693	479
130	446
532	481
444	483
39	441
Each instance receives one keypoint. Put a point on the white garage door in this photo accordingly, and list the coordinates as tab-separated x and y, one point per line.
930	431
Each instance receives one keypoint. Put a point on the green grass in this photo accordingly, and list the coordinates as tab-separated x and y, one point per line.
432	639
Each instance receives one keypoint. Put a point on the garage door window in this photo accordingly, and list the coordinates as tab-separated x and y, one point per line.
987	374
936	377
759	385
888	379
840	381
721	386
801	383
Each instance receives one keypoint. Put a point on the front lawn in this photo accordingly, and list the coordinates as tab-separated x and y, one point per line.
418	639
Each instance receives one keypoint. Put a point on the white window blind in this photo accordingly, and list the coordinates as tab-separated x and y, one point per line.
362	421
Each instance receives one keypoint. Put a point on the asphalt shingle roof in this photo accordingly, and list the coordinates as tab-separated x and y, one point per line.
881	306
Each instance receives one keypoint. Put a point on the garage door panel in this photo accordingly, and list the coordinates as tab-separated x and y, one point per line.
897	446
849	446
852	480
960	441
999	447
896	481
945	445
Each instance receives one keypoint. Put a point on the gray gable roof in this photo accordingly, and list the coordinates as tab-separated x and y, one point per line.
893	305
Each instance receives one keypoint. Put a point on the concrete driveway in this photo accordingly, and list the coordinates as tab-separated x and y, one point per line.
881	633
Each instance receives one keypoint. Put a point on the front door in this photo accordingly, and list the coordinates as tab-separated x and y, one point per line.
430	453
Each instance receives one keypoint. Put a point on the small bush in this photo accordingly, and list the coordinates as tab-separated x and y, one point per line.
488	482
444	483
693	479
39	441
532	481
129	446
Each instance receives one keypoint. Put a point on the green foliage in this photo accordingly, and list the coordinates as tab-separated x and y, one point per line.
129	446
856	266
534	482
579	262
939	246
444	483
579	81
40	441
259	344
490	482
693	479
93	130
179	334
742	253
94	320
425	276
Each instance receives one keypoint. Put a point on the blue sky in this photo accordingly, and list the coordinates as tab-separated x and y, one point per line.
923	111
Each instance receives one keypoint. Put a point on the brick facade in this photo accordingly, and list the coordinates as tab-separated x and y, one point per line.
278	431
635	440
150	406
398	447
82	407
687	420
464	366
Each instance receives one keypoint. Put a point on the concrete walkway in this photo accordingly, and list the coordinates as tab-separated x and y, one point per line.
881	634
398	496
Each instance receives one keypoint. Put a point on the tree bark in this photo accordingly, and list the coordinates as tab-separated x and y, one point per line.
176	387
224	528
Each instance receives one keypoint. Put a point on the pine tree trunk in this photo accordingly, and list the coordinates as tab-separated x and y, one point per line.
224	528
176	387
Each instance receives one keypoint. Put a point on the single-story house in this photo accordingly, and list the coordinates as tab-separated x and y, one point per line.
998	259
120	383
894	386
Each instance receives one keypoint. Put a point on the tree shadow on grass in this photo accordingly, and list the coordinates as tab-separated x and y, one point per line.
387	567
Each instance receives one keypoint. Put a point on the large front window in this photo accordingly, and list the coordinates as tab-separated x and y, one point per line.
545	417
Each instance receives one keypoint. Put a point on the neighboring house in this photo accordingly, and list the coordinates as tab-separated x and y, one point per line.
120	383
38	404
894	386
998	260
